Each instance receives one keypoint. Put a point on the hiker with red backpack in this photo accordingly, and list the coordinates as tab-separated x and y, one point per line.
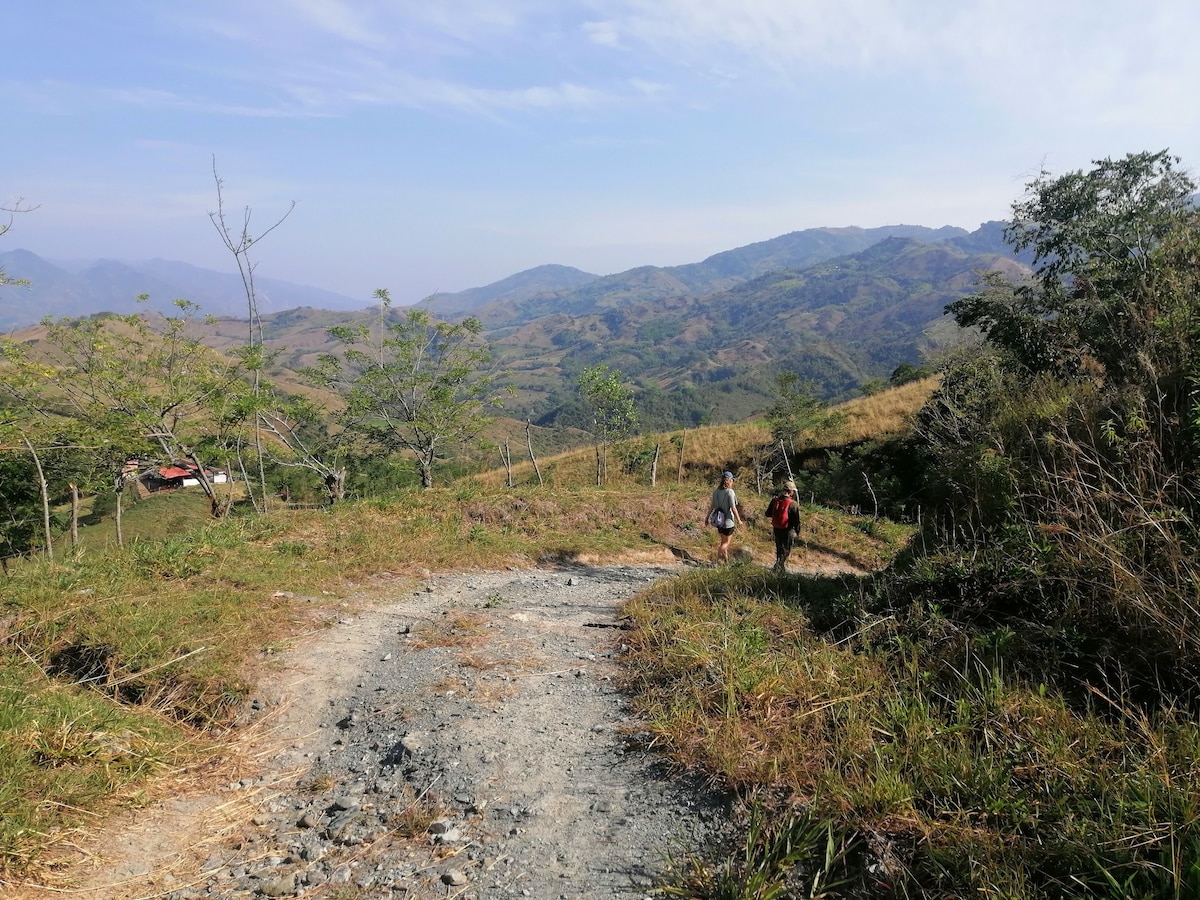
784	513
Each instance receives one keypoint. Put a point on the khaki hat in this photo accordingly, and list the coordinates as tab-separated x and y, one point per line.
789	485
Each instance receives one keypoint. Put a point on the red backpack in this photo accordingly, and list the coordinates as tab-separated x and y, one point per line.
779	512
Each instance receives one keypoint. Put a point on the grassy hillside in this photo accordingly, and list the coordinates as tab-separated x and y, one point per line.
881	742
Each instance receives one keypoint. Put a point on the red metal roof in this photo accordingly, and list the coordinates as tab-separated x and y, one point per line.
173	472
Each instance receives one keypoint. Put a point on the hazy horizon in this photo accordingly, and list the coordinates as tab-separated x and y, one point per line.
449	146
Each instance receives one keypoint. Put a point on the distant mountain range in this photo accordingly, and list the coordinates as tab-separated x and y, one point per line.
702	342
706	343
81	289
557	289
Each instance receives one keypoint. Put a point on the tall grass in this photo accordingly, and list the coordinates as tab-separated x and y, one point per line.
699	455
962	780
879	415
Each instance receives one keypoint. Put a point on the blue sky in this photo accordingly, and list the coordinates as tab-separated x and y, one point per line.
446	144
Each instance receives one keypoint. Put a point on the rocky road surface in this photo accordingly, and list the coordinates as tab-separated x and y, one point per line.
479	710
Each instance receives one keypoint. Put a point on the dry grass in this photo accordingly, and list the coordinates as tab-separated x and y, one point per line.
739	685
886	413
965	780
690	456
464	631
699	455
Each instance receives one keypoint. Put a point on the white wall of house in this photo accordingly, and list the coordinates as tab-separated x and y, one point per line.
219	478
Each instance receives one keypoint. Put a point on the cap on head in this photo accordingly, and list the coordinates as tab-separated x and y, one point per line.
789	486
728	475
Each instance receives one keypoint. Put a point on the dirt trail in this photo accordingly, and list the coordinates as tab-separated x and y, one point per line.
483	701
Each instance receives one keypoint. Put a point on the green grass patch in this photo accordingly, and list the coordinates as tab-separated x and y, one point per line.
965	782
65	751
170	630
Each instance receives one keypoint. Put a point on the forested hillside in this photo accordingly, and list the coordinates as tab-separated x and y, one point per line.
716	356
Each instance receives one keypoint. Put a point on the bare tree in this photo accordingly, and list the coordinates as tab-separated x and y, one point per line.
239	241
529	444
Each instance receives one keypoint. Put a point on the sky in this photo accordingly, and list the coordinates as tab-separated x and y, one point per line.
445	144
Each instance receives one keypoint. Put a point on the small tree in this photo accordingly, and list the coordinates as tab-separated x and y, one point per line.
795	409
306	437
614	415
20	527
1113	288
422	385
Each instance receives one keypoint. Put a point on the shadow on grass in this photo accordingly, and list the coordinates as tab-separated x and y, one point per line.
834	604
847	557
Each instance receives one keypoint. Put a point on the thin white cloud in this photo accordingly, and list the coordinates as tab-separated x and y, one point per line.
381	86
339	19
321	57
651	89
603	33
1109	59
157	99
372	24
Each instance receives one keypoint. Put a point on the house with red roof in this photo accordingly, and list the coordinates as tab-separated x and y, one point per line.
180	474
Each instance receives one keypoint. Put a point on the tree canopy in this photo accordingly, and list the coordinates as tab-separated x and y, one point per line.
419	385
613	414
1113	293
142	385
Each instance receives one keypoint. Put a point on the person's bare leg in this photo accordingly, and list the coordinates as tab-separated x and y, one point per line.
723	550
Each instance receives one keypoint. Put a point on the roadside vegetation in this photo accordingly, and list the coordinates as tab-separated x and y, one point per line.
1011	708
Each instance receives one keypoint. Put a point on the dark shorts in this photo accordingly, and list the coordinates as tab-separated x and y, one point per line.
725	531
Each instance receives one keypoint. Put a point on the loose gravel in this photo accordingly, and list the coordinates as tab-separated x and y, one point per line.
479	711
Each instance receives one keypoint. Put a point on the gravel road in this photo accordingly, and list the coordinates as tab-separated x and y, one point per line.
485	701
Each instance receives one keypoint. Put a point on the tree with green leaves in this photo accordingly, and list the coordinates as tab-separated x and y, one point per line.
145	386
613	414
906	373
306	436
796	408
418	386
1113	292
1063	453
